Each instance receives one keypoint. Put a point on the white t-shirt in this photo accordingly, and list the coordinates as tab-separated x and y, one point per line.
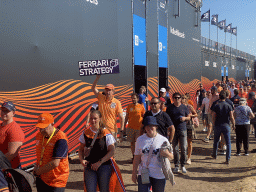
206	102
142	147
110	140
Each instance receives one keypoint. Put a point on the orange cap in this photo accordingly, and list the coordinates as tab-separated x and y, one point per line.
44	120
109	86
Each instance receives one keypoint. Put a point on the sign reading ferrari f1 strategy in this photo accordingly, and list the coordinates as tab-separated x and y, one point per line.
98	67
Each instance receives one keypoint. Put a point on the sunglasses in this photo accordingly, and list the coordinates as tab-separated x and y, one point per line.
177	97
154	103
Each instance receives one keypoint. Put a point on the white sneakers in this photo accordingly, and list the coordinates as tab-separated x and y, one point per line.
177	170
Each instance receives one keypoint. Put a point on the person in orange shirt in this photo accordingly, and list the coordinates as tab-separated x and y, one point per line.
11	140
109	107
219	88
242	92
134	116
250	100
52	167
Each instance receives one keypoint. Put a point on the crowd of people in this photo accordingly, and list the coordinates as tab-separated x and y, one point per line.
164	129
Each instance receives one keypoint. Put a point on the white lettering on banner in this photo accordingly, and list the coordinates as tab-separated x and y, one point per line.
95	2
207	63
86	64
160	46
177	32
214	64
96	71
162	5
250	69
136	38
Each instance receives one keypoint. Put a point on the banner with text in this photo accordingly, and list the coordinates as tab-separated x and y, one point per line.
98	67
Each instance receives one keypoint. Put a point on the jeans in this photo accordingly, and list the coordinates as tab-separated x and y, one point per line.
158	185
242	136
100	177
226	132
180	137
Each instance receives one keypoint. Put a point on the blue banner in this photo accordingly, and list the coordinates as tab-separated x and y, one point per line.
162	46
139	40
226	71
222	71
248	73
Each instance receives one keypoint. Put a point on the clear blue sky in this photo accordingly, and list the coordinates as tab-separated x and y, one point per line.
242	14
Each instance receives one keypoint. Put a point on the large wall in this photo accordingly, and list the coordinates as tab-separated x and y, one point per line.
41	44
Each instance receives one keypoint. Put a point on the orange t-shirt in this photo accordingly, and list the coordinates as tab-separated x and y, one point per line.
11	133
109	111
250	101
219	89
136	113
243	95
58	176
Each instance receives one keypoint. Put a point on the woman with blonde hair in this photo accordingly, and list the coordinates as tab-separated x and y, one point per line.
184	101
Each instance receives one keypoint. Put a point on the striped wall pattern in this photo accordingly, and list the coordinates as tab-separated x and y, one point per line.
68	100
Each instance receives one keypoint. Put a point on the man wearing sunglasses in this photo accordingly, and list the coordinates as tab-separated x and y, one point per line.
179	113
165	124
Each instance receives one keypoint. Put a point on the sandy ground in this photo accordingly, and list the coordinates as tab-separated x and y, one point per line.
204	174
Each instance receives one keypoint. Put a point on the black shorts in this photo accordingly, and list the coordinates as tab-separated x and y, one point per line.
189	133
43	187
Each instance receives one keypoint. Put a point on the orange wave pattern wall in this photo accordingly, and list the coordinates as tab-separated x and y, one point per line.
208	84
68	100
176	86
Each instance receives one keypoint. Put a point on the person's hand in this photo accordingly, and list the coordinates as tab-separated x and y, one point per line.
234	127
84	163
146	99
164	152
95	166
134	178
183	119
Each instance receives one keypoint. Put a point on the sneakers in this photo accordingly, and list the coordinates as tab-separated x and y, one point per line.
222	152
237	154
183	169
189	161
211	137
246	154
226	162
206	140
205	129
176	170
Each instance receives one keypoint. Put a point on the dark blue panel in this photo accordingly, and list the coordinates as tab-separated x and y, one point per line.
139	40
162	46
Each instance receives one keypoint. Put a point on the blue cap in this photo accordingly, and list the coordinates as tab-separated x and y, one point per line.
9	105
150	120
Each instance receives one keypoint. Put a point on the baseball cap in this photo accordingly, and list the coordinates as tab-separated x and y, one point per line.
9	105
109	86
251	94
44	120
163	90
150	120
242	100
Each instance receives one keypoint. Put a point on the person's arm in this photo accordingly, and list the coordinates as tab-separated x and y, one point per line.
81	155
48	167
166	153
171	131
251	115
87	120
194	113
126	118
94	89
121	121
111	152
13	150
136	162
231	114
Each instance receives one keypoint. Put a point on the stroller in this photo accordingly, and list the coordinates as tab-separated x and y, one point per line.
18	179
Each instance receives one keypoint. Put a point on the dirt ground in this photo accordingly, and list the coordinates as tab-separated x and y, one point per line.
204	174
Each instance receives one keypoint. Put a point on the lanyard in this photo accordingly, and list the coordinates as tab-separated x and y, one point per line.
43	147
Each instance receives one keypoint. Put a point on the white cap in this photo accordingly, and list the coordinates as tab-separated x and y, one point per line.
163	90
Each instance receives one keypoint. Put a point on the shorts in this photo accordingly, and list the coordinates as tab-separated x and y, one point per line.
210	118
132	134
43	187
3	182
189	133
